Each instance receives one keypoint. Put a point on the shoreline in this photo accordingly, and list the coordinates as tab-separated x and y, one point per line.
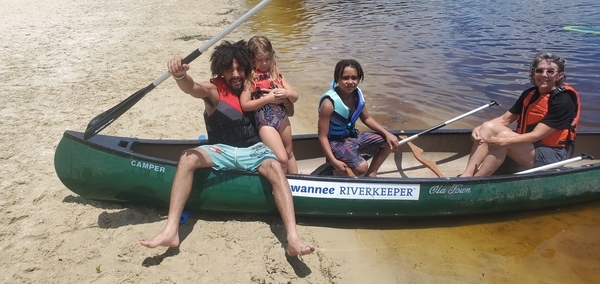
65	62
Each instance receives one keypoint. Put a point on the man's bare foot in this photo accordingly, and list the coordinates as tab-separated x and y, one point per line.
299	248
162	239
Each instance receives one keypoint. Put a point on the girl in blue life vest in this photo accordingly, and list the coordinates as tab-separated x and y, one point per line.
339	109
272	100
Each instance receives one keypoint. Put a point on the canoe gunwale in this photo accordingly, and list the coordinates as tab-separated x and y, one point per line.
99	142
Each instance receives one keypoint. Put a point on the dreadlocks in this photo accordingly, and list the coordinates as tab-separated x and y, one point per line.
224	54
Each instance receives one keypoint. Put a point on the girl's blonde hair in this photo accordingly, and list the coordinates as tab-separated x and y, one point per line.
260	45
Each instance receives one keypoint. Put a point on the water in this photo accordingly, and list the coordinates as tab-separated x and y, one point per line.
427	61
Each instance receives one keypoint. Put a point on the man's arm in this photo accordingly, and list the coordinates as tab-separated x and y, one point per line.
186	83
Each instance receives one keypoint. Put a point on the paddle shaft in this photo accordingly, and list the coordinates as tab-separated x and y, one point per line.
413	137
106	118
557	164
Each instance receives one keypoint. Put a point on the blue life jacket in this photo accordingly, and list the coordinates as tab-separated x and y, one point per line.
342	122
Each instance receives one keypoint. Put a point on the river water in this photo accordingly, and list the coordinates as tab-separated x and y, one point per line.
427	61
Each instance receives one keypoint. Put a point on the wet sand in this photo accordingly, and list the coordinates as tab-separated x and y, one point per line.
64	62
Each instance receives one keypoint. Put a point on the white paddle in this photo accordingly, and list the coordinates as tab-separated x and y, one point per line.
413	137
106	118
557	164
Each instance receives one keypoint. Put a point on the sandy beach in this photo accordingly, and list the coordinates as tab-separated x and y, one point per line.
64	62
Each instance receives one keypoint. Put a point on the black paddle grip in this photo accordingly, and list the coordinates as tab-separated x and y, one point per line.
188	59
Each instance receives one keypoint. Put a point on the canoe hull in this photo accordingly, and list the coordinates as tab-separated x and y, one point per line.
106	168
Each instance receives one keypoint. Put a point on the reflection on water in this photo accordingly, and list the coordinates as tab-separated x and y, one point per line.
427	61
556	245
427	58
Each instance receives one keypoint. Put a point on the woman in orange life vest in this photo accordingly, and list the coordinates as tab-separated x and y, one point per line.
547	116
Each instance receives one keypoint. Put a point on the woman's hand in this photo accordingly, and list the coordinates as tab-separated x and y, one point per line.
495	142
476	136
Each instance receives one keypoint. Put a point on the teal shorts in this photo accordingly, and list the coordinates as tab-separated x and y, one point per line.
227	157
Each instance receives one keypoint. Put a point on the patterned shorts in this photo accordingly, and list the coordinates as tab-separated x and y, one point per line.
349	150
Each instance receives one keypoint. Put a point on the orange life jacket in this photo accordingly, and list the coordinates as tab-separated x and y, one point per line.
262	80
534	111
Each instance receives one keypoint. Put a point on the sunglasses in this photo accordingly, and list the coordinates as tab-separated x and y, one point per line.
549	71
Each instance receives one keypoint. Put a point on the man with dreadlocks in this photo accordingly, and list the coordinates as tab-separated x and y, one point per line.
234	142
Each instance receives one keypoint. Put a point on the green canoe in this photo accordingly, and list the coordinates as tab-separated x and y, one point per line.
131	170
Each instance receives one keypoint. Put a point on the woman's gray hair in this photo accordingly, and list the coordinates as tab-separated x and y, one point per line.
553	58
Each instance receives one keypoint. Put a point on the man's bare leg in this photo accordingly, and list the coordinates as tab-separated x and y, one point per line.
272	170
189	161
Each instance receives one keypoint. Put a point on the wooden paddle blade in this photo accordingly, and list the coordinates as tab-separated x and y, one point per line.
417	152
349	172
106	118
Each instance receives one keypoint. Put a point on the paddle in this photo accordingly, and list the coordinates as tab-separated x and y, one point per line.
106	118
349	172
557	164
417	152
413	137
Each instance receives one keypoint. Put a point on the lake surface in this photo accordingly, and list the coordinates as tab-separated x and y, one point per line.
427	61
